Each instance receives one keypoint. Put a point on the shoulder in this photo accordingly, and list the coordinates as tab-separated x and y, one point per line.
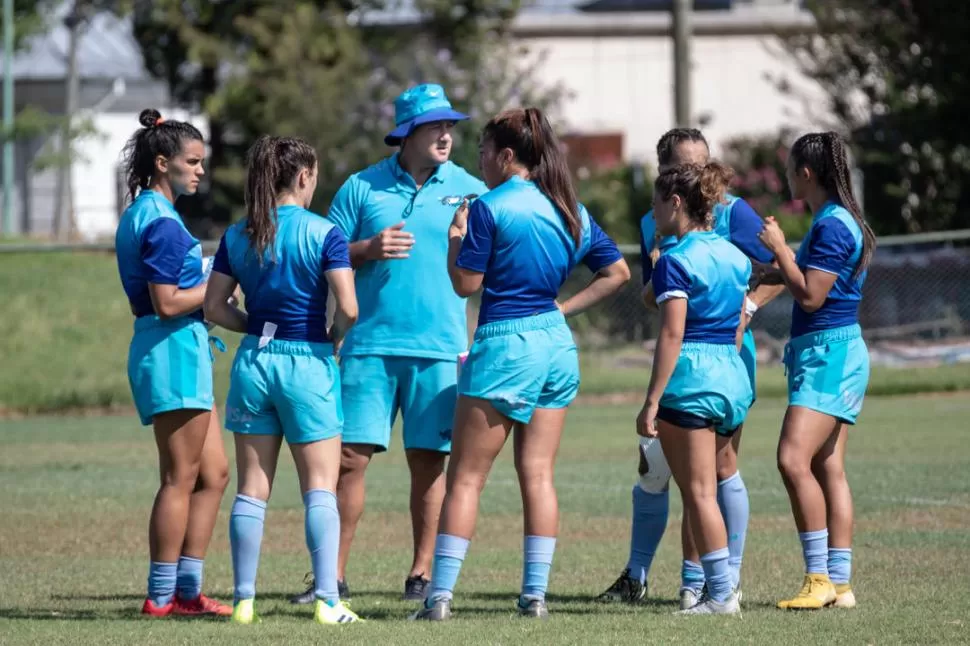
835	221
458	176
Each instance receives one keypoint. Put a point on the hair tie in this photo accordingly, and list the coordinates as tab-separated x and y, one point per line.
159	121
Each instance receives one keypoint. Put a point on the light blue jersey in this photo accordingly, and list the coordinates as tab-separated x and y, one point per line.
524	356
169	364
289	287
407	306
518	239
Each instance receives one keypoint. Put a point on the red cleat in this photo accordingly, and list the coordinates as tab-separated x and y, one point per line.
149	608
201	605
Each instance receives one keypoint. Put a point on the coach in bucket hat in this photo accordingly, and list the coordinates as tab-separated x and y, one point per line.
400	359
417	106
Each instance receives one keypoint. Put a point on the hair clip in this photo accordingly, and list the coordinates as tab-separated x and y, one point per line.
159	121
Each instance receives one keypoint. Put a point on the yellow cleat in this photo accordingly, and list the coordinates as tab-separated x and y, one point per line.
844	597
334	615
817	592
244	613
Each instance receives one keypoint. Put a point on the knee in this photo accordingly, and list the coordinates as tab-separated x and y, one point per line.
215	477
354	461
534	473
829	471
426	465
183	476
792	466
699	493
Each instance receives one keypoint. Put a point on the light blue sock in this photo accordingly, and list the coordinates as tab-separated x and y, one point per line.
322	525
161	582
717	571
650	512
691	576
732	498
245	538
537	561
840	564
449	553
188	580
815	548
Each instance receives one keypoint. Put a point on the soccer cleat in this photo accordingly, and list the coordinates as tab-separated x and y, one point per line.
708	606
440	610
149	608
244	613
533	608
329	615
689	597
201	605
625	589
844	597
309	595
817	592
416	588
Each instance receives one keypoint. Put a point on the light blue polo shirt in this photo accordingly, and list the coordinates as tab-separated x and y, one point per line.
408	307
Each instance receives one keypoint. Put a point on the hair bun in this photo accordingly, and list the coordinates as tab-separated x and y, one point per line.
149	118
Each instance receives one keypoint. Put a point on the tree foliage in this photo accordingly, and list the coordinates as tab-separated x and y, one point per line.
895	75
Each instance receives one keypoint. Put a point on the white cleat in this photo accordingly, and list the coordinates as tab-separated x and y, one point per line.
708	606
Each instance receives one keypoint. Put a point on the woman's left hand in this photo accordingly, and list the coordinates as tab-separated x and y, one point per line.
459	223
647	420
772	236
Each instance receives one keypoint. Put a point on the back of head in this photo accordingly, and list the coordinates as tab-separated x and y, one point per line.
672	138
272	166
529	135
826	156
700	187
157	137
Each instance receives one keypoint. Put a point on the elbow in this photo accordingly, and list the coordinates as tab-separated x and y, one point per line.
622	273
350	315
463	290
165	311
810	305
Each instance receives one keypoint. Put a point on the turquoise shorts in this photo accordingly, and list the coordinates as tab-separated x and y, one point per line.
710	382
522	364
375	388
288	388
169	366
828	372
749	355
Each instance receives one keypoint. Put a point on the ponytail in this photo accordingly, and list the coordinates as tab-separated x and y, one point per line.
273	164
530	136
700	187
824	153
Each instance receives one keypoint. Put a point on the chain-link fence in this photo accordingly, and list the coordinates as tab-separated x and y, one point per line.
915	306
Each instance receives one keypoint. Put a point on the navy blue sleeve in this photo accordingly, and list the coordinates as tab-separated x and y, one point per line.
830	246
336	251
163	247
476	248
221	262
670	280
602	251
745	227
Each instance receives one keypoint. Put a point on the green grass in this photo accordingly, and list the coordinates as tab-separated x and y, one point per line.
67	328
76	495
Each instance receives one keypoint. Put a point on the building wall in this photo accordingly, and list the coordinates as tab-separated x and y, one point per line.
624	84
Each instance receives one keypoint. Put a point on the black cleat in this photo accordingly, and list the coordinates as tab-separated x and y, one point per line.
416	588
308	596
440	610
625	589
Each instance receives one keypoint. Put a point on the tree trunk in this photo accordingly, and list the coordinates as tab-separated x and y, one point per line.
64	220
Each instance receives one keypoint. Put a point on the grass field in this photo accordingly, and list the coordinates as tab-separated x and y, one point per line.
67	329
73	544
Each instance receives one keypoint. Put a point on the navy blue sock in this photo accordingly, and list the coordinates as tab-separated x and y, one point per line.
650	512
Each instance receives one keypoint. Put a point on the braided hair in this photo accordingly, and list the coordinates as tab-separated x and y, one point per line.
157	136
824	153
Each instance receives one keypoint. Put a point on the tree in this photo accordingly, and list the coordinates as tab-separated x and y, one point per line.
893	71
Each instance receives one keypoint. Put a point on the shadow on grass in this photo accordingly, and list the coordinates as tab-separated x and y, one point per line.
119	614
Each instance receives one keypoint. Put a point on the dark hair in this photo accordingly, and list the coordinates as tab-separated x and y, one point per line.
825	155
701	187
529	135
673	138
156	137
273	164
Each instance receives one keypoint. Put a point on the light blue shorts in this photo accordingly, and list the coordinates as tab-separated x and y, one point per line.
710	382
375	388
828	372
749	355
288	388
169	366
522	364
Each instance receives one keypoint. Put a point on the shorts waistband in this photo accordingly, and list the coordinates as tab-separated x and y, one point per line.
291	348
834	335
542	321
151	321
699	347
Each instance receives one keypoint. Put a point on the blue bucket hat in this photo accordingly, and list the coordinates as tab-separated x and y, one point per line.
419	105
